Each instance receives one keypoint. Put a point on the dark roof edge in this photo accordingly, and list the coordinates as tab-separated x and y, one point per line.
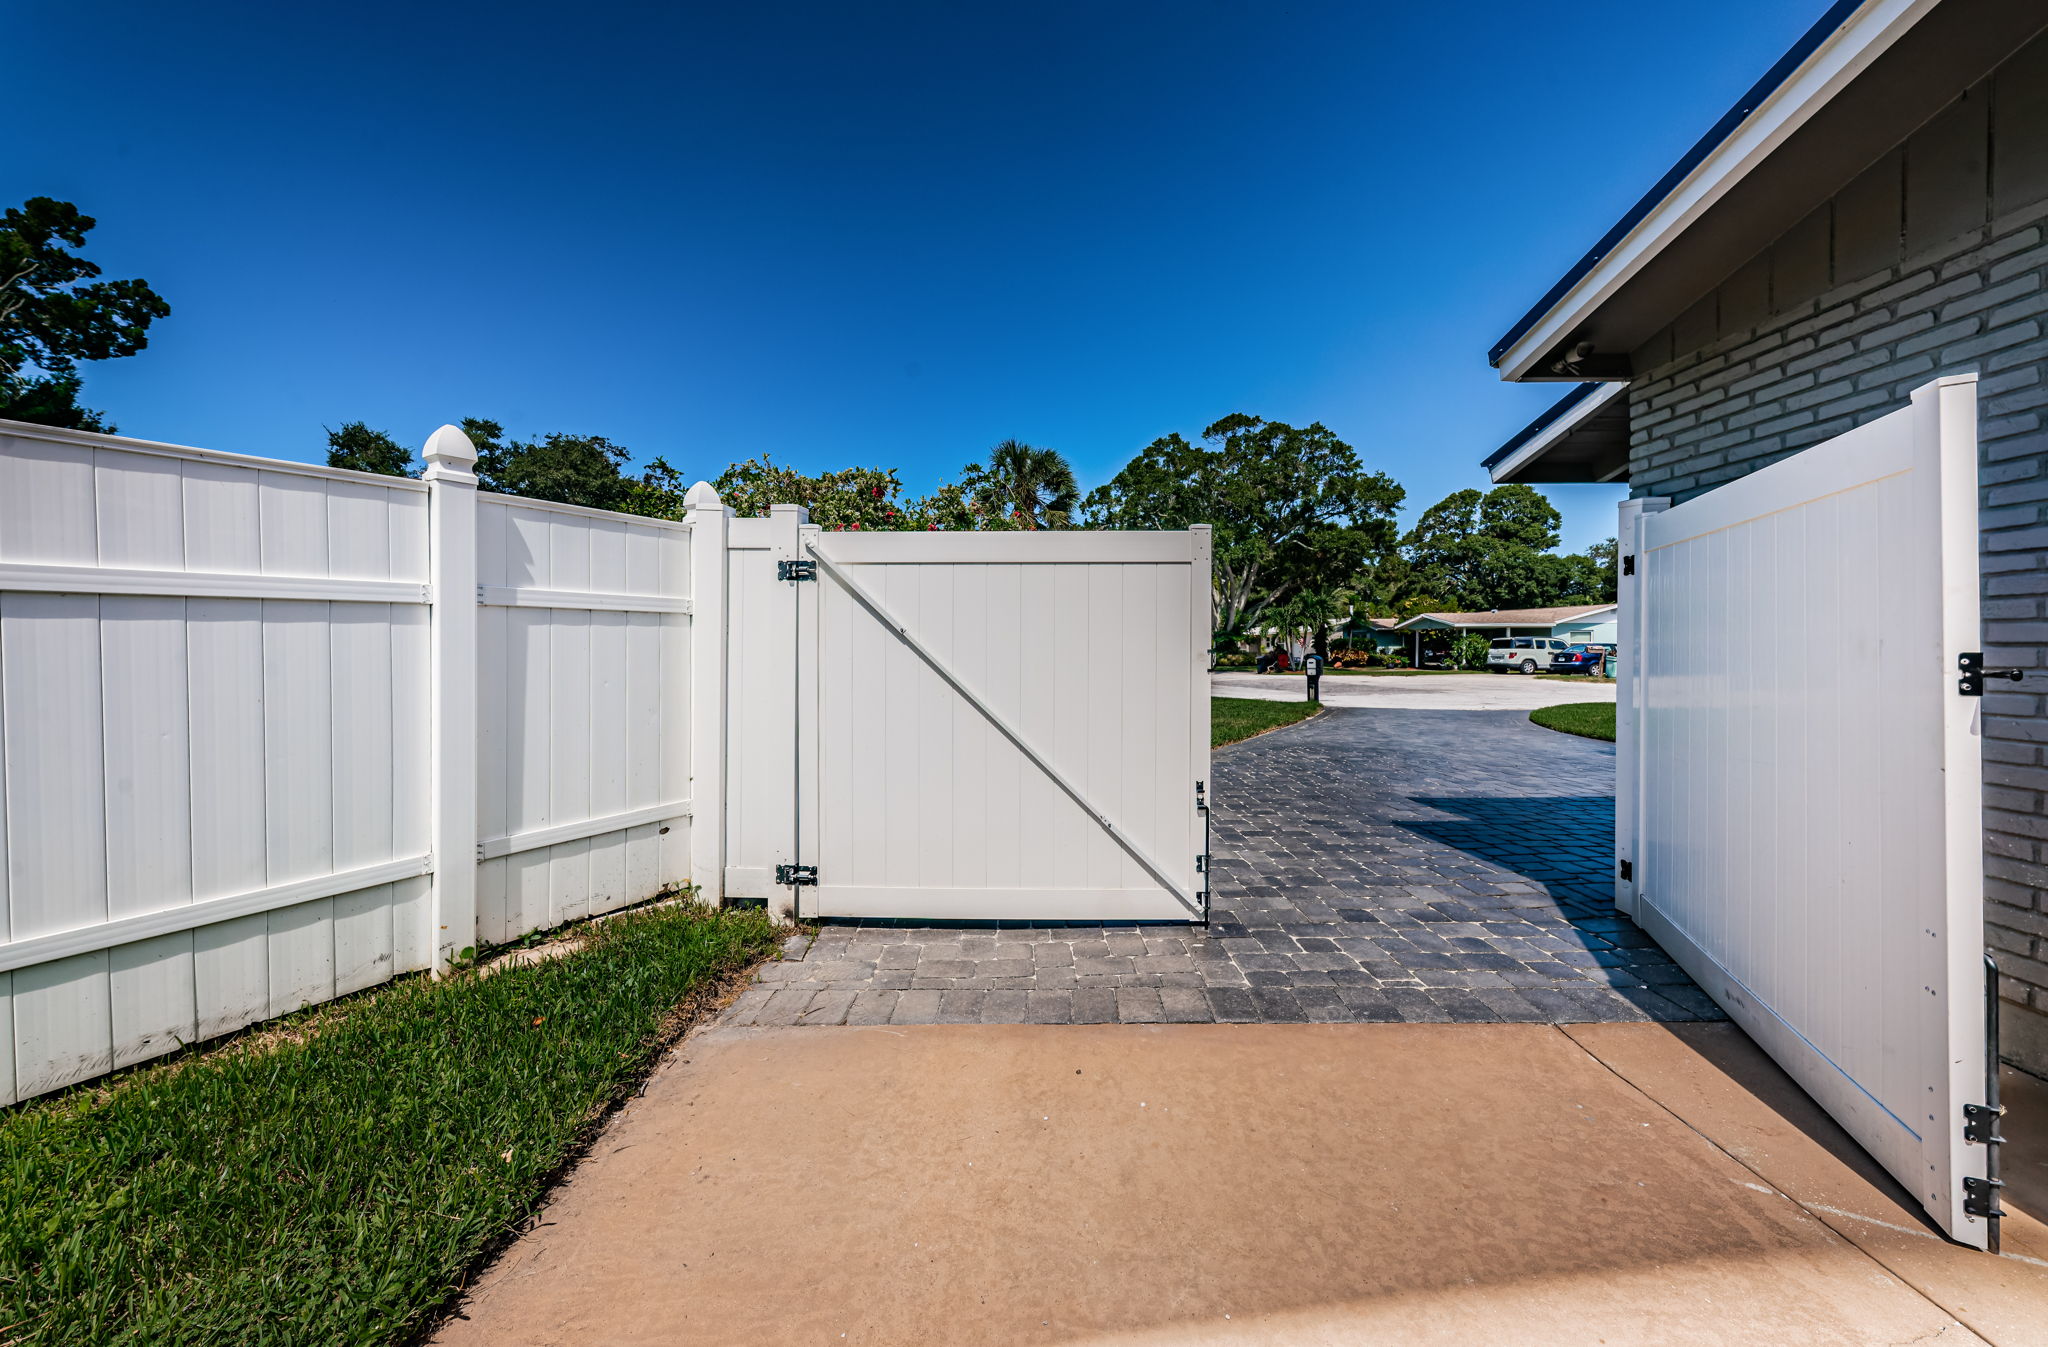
1837	14
1550	417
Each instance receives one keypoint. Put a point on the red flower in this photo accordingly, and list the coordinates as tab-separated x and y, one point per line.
878	493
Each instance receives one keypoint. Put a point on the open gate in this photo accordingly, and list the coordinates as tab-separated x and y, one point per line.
968	726
1799	819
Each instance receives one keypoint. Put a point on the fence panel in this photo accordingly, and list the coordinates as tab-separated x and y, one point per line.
583	712
213	766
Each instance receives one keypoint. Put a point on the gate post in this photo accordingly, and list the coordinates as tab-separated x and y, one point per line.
1630	590
781	731
452	673
709	519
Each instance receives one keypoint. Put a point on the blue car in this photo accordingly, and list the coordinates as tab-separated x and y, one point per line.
1581	659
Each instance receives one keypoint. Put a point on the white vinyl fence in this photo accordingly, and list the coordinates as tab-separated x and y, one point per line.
273	733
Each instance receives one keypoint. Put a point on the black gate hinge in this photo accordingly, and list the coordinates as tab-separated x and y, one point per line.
798	875
1628	563
1202	795
1980	1124
1202	863
1628	870
1971	663
1980	1198
796	570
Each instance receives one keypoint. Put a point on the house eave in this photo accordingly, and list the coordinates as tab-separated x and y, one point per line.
1848	38
1583	437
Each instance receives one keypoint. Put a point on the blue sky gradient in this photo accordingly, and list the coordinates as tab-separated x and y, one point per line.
889	234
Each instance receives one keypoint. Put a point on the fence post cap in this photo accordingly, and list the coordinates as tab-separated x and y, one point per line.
449	455
702	496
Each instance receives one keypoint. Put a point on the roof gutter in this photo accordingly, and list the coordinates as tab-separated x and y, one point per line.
1848	37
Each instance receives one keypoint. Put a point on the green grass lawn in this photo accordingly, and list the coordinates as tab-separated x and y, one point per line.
332	1178
1235	718
1594	720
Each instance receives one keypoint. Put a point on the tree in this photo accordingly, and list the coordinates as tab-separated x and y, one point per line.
51	401
1592	574
863	498
1477	551
851	498
362	449
54	312
1293	509
573	469
1022	480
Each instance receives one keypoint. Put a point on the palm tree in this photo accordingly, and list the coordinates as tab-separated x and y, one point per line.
1037	484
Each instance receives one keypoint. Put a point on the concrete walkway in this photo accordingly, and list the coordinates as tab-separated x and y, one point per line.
1248	1184
1419	692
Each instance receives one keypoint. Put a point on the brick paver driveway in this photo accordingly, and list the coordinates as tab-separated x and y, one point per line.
1368	865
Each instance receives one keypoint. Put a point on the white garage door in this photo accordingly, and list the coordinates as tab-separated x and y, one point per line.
1806	806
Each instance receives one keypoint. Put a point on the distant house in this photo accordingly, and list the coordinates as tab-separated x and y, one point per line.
1380	635
1592	623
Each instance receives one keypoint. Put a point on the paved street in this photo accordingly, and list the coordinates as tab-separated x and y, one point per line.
1419	692
1421	866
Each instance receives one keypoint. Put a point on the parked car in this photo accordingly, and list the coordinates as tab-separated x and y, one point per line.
1526	653
1579	659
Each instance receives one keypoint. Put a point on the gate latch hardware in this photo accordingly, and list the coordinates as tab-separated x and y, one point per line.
799	875
796	570
1628	870
1628	564
1971	663
1980	1198
1980	1124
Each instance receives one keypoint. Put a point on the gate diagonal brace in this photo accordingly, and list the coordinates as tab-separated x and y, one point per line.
1037	759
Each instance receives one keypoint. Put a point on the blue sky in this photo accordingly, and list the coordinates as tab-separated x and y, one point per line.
886	234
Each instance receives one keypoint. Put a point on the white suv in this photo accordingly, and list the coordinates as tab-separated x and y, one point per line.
1530	654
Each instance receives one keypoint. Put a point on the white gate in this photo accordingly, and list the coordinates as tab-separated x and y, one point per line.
1800	827
1007	726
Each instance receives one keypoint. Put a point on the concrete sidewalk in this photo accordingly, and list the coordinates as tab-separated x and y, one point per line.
1269	1184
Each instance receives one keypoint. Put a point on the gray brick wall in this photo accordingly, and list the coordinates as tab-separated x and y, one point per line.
1933	261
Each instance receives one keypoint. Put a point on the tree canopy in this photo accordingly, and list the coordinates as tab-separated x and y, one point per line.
851	498
1473	551
1035	487
55	312
362	449
1293	509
